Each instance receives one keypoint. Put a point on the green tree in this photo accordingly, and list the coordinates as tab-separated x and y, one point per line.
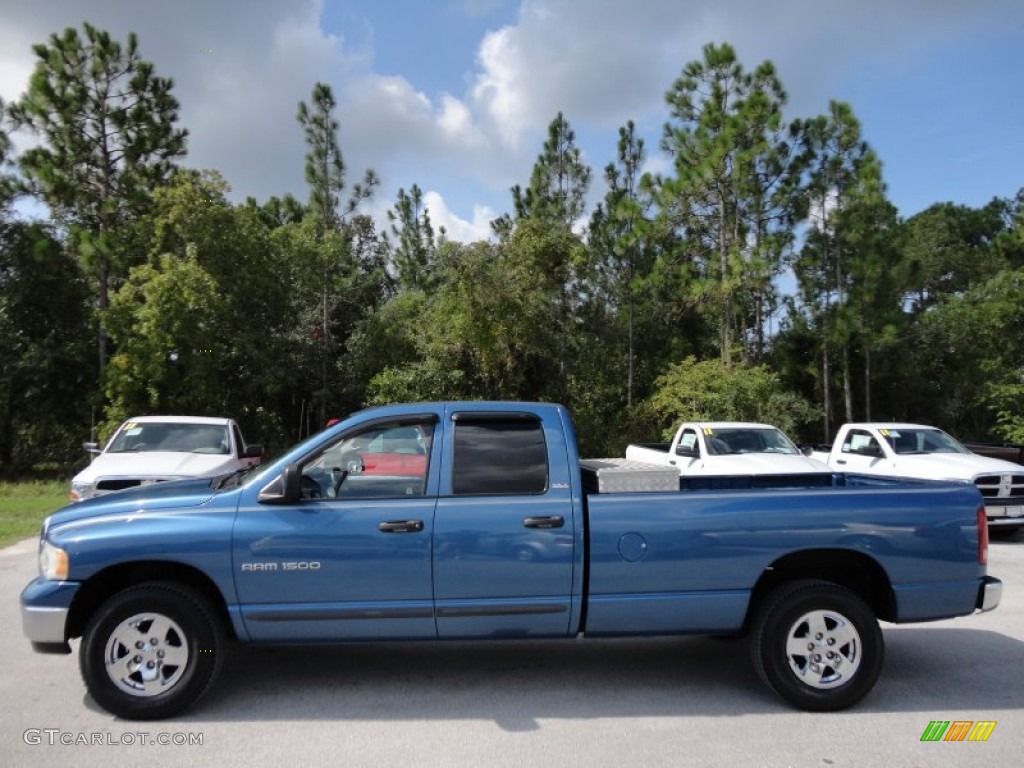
558	183
948	248
560	179
1010	243
7	182
412	254
164	321
236	362
708	390
325	165
966	355
617	239
108	125
278	211
731	199
44	322
487	330
845	180
325	175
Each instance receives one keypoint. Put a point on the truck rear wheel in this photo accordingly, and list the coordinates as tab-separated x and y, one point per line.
817	645
151	651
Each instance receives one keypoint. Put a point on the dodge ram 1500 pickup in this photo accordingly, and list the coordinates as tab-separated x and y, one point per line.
727	448
920	451
154	449
477	520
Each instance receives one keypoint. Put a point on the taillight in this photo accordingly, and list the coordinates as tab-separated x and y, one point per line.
982	536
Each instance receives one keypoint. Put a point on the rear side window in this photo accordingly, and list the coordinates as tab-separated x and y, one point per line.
498	456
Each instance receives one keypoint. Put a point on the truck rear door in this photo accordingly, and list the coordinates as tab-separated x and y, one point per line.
504	543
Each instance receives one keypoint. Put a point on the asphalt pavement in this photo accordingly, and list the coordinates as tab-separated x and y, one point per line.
663	701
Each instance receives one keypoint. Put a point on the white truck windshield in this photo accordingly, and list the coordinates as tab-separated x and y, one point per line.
908	441
169	436
722	442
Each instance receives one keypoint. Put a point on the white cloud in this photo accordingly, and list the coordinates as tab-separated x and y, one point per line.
456	122
458	229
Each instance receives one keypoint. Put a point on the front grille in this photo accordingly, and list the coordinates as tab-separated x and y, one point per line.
1000	486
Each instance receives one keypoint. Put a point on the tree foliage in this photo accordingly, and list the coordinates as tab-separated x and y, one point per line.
710	390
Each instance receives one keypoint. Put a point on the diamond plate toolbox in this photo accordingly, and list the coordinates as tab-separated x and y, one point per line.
625	476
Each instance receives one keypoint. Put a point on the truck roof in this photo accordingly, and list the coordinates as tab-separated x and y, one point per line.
727	425
888	425
219	420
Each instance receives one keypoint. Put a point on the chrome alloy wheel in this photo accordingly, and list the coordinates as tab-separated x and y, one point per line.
824	649
146	654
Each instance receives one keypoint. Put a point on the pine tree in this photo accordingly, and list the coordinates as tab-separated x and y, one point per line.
413	252
108	125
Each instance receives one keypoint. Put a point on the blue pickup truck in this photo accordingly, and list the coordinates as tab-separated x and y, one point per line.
478	520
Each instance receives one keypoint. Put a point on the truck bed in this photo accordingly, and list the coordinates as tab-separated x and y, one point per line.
694	562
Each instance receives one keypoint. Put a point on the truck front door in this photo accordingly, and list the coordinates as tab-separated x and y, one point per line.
504	531
351	559
862	453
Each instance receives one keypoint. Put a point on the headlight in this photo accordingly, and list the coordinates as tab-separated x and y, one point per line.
81	491
53	562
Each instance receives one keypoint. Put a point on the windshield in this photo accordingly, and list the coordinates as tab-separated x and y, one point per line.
923	440
722	442
144	437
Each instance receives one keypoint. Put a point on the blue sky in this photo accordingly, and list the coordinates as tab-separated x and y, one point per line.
456	95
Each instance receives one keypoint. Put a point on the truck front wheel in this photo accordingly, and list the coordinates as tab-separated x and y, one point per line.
818	645
151	651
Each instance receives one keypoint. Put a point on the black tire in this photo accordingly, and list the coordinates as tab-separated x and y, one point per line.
795	629
186	631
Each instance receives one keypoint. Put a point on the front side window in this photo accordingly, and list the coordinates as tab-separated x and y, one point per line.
861	443
499	456
385	460
688	441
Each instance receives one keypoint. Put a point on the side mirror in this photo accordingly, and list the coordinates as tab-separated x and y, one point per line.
252	451
806	450
690	453
874	451
285	489
92	448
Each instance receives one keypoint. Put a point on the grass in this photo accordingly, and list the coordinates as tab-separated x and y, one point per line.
24	505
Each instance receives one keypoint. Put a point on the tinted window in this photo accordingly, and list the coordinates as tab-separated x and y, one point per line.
499	456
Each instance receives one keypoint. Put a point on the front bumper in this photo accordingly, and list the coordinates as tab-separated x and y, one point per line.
1005	511
989	593
44	614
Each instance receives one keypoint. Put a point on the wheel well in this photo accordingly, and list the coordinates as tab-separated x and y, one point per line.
854	570
115	578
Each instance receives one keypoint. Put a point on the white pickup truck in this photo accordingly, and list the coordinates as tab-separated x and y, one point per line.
920	451
727	448
154	449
